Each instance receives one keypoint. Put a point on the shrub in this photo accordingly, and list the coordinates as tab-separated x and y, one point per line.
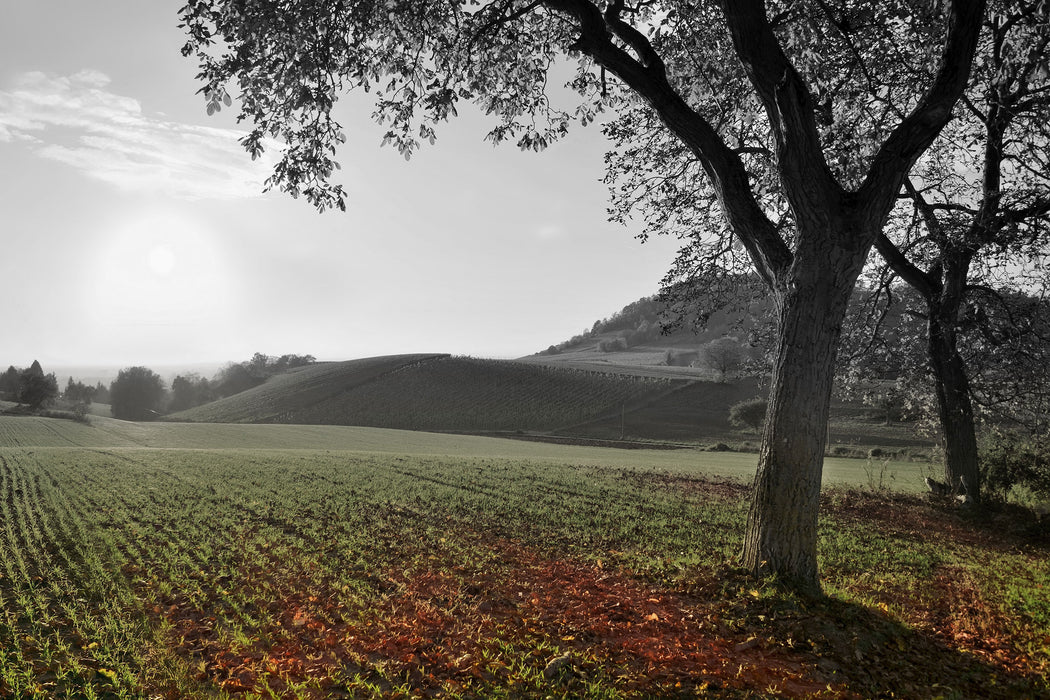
748	414
613	345
1008	460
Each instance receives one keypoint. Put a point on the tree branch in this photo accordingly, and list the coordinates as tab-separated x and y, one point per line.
919	129
904	268
786	99
647	76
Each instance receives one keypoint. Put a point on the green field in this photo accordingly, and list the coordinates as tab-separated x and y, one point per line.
106	432
203	560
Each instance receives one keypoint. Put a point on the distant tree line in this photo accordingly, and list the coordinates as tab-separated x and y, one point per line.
139	393
637	323
190	390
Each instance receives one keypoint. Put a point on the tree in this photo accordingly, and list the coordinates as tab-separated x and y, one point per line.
78	392
743	92
976	213
748	414
36	389
136	394
723	355
9	383
188	391
236	378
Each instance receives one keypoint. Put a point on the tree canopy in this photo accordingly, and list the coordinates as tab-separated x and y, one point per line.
136	394
36	389
971	228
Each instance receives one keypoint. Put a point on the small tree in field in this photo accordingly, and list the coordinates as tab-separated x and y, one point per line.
136	394
723	355
748	414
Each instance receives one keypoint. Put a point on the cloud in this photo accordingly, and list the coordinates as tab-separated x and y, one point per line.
78	121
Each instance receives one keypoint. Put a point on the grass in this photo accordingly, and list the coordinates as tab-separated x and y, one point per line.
136	567
901	475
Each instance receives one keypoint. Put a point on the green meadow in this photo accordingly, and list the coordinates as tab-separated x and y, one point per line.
171	560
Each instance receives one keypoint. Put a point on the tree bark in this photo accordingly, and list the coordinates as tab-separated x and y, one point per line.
955	410
781	535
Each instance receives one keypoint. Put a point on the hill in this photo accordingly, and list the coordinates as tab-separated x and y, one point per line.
635	340
625	378
529	398
285	395
434	392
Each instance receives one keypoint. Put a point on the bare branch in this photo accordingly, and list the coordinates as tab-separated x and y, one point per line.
918	130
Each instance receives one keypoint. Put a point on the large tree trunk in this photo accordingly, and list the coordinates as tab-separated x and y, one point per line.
954	408
781	536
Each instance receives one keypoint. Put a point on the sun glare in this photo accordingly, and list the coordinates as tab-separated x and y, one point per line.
160	269
161	260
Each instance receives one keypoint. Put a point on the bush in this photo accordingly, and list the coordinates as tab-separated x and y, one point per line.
748	414
1008	460
614	345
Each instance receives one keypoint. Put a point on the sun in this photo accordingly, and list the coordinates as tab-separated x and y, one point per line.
160	268
161	260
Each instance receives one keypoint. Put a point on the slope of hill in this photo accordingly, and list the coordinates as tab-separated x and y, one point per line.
633	341
284	395
433	392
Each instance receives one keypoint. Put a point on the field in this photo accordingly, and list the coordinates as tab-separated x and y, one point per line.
243	561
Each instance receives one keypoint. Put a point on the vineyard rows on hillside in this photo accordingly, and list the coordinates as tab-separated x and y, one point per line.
481	395
434	392
289	392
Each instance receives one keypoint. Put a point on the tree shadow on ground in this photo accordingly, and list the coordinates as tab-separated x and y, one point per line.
860	651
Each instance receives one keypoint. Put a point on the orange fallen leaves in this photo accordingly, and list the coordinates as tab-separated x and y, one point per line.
437	625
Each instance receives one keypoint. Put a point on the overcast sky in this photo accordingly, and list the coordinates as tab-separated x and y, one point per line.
133	229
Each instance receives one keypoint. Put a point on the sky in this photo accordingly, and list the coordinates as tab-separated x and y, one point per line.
134	229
